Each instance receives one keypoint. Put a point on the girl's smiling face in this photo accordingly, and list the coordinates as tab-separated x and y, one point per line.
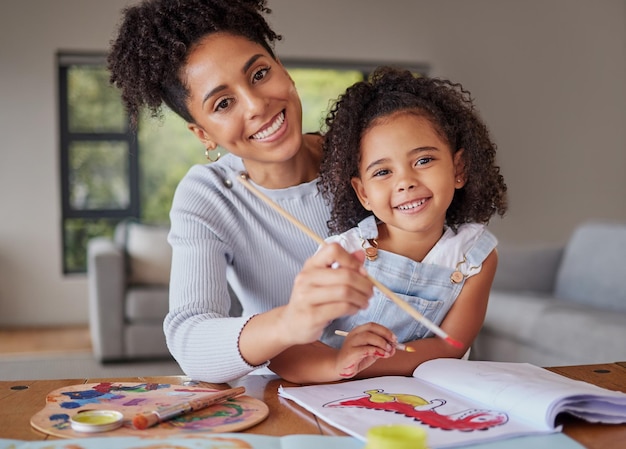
407	174
242	99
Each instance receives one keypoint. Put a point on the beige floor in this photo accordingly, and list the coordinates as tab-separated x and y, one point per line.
65	353
45	340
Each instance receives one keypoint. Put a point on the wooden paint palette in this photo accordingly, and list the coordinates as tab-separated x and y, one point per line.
131	398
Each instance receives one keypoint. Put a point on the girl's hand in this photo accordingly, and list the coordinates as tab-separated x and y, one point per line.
332	283
362	347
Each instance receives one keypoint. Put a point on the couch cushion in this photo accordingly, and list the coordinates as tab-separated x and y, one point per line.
513	314
592	269
581	334
149	254
146	304
531	328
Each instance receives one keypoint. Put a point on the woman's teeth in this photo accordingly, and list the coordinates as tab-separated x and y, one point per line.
412	205
280	118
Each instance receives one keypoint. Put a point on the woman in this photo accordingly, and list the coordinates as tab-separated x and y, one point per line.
211	62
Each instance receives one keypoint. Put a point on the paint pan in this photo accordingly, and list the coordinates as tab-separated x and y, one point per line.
91	421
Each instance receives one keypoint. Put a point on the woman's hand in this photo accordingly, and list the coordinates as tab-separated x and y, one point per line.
332	283
363	346
320	294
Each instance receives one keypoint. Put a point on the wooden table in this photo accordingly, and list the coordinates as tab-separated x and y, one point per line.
19	400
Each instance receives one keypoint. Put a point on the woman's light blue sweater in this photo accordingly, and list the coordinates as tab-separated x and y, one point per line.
221	233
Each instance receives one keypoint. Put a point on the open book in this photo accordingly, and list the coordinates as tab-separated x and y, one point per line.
461	402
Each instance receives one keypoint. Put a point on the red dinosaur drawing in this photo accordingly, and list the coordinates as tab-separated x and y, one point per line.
422	410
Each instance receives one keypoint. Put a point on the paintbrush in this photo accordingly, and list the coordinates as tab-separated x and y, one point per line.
150	418
243	178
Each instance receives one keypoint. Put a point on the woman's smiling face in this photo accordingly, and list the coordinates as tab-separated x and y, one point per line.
242	99
408	173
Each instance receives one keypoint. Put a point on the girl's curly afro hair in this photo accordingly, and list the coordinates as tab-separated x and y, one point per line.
155	38
448	106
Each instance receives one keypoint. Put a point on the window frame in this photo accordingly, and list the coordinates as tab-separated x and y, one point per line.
64	61
67	137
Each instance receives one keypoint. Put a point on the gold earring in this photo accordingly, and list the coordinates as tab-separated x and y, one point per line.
207	153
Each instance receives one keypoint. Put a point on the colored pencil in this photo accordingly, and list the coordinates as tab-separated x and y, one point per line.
243	178
150	418
399	346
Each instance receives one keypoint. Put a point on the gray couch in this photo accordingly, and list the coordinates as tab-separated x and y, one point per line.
559	305
128	278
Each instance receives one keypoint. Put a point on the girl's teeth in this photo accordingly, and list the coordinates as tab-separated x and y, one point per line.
272	129
411	205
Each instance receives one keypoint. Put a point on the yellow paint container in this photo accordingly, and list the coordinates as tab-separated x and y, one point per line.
96	421
396	437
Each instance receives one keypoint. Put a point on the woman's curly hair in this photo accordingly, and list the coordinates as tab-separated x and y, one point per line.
154	41
448	106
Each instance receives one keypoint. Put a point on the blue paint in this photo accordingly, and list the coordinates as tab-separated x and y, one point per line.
59	417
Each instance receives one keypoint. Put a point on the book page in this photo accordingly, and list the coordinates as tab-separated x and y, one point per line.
448	419
523	390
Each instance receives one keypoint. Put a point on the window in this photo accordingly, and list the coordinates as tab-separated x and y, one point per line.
109	173
98	155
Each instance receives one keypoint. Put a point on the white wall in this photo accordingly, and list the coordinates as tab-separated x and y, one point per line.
549	78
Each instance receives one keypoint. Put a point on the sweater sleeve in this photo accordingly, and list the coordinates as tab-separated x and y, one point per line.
199	332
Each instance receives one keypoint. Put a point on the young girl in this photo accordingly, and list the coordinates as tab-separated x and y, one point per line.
410	171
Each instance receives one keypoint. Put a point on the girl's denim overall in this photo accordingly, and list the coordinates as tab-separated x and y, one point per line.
426	287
